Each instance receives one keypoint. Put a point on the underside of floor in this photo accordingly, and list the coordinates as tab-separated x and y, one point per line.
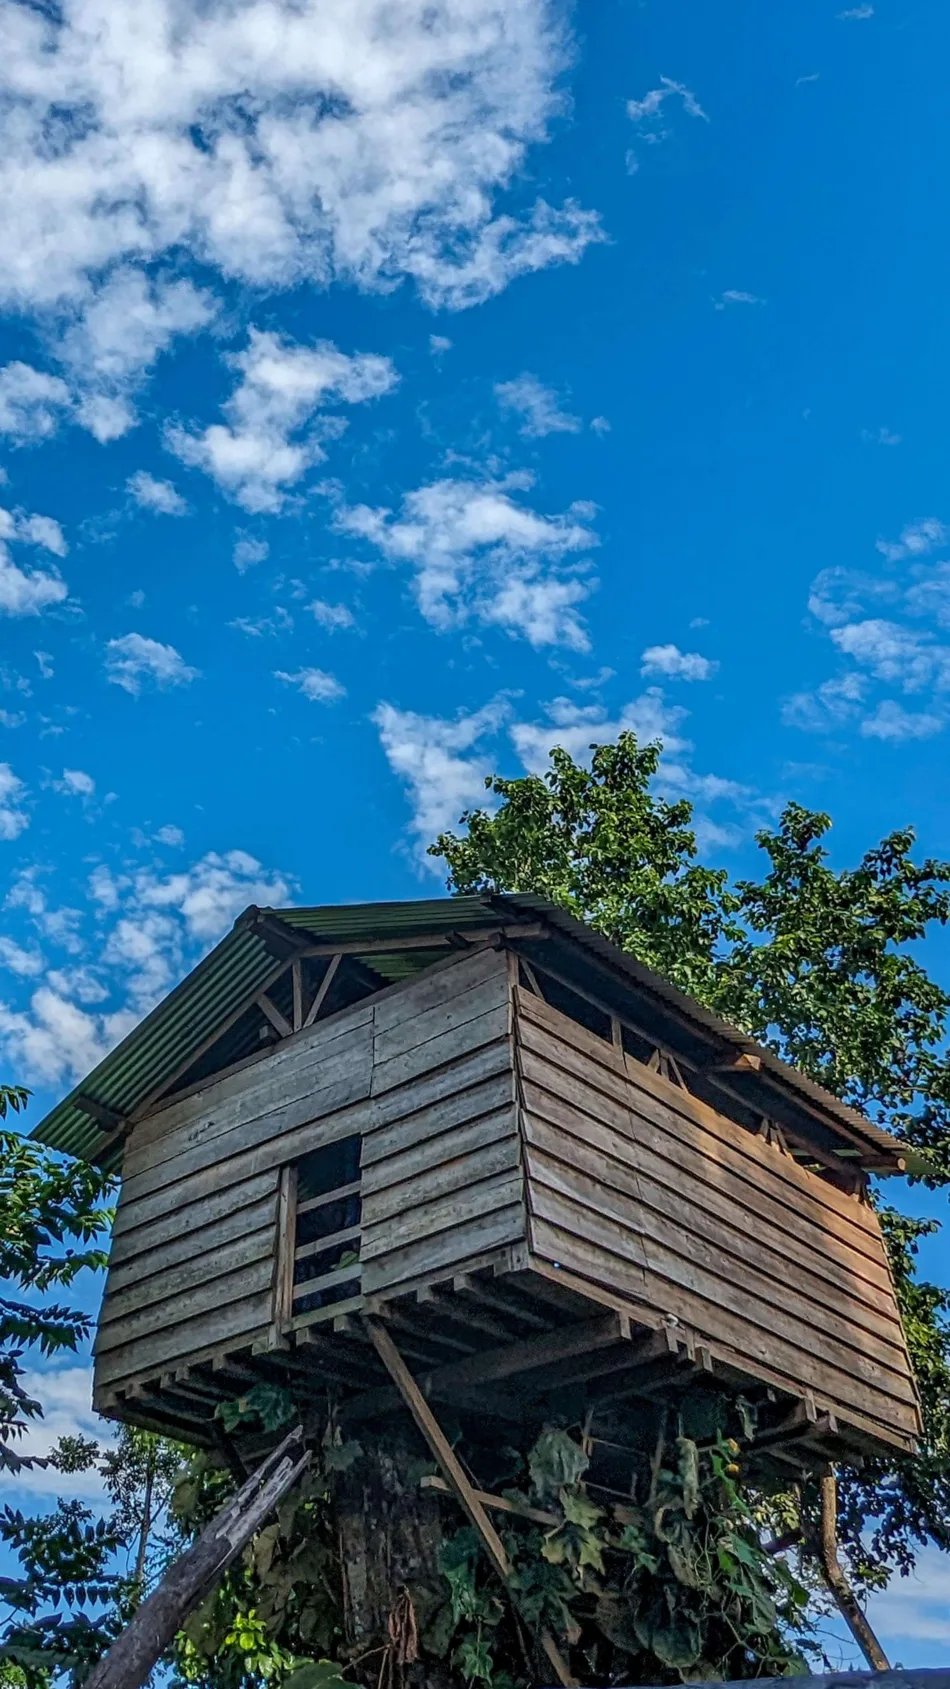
503	1349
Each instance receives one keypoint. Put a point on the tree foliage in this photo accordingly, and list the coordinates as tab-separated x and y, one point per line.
78	1574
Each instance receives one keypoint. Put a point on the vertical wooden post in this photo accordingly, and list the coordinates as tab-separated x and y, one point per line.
296	970
286	1242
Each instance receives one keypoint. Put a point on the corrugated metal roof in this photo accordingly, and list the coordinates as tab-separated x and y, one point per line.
165	1043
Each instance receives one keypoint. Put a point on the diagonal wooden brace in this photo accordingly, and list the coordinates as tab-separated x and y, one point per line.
454	1474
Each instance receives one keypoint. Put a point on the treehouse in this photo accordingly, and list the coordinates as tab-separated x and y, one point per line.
470	1149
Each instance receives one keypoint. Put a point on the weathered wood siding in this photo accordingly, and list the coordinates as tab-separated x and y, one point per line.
442	1184
639	1188
424	1071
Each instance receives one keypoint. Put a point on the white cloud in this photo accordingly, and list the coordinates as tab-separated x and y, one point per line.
27	592
670	661
13	818
315	684
248	551
838	595
647	110
857	14
600	425
75	783
135	660
480	555
735	296
914	1609
438	343
537	406
27	963
272	434
66	1394
333	617
832	704
918	539
278	143
880	437
434	759
575	727
895	653
151	494
116	336
172	836
144	929
32	403
889	721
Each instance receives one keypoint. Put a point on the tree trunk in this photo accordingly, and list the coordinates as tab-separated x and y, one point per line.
390	1532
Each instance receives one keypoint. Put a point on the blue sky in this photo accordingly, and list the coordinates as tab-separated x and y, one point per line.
389	392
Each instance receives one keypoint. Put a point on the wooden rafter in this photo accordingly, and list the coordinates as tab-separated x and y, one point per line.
323	988
279	1022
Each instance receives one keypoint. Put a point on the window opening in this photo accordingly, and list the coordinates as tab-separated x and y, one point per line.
327	1230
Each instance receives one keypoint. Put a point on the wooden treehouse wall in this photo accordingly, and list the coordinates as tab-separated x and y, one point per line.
640	1188
423	1074
485	1121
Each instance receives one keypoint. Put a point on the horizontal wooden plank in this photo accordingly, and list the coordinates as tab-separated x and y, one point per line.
424	1118
273	1153
179	1280
329	1099
723	1178
425	1259
443	1085
736	1270
235	1325
439	985
284	1098
337	1195
181	1220
595	1245
497	1151
439	1051
724	1201
456	1138
199	1239
263	1072
208	1295
454	1210
559	1042
328	1280
333	1240
455	1009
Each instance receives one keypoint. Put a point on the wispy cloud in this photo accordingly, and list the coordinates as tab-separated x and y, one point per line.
276	424
135	661
735	296
918	539
315	684
672	663
151	494
27	592
479	554
537	406
646	110
13	817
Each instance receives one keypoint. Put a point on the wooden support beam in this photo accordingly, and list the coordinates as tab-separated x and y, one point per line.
491	1295
454	1475
188	1580
277	1020
497	1503
425	941
296	970
323	988
851	1611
